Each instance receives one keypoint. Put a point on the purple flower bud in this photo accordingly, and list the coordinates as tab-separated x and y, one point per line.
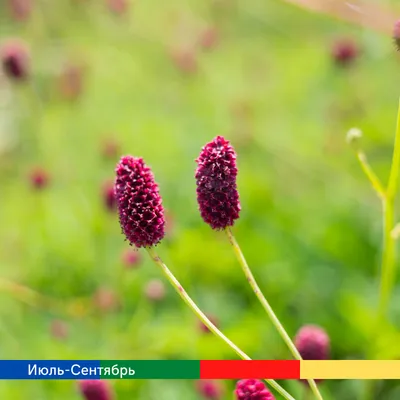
396	34
141	213
155	290
95	390
217	194
252	389
39	178
312	342
131	258
15	59
109	196
344	52
209	389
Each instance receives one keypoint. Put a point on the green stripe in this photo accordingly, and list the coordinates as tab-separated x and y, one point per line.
150	369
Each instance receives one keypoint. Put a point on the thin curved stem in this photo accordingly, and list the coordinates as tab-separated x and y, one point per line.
192	305
256	289
375	182
388	271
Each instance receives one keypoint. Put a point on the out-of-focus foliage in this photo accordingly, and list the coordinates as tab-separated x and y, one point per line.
159	80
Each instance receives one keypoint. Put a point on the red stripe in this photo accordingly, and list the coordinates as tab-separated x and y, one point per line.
249	369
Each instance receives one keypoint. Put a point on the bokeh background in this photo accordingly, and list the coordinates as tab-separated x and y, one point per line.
159	80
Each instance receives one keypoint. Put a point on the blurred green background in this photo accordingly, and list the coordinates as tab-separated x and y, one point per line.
159	80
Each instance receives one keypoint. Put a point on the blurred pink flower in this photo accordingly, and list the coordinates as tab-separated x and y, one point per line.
15	59
105	299
210	389
20	10
155	290
59	329
131	258
96	390
39	178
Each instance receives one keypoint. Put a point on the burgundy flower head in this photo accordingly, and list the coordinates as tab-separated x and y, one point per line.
15	60
141	213
217	193
344	52
252	389
95	390
312	342
210	389
396	34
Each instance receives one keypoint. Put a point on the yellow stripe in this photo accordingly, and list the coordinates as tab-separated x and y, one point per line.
350	369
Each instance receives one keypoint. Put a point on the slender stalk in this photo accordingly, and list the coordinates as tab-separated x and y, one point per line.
375	182
267	307
389	248
192	305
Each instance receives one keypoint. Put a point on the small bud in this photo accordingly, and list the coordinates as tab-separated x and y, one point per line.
59	329
208	38
15	59
252	389
217	193
20	9
109	198
313	343
131	258
105	300
39	178
119	7
185	61
95	390
110	148
141	213
203	328
71	82
396	34
353	135
155	290
344	52
210	389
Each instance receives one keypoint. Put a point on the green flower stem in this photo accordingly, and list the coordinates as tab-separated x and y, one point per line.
389	248
267	307
375	182
192	305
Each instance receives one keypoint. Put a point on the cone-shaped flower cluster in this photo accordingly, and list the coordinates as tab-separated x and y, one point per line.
141	213
396	34
217	193
95	390
312	342
15	60
252	389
